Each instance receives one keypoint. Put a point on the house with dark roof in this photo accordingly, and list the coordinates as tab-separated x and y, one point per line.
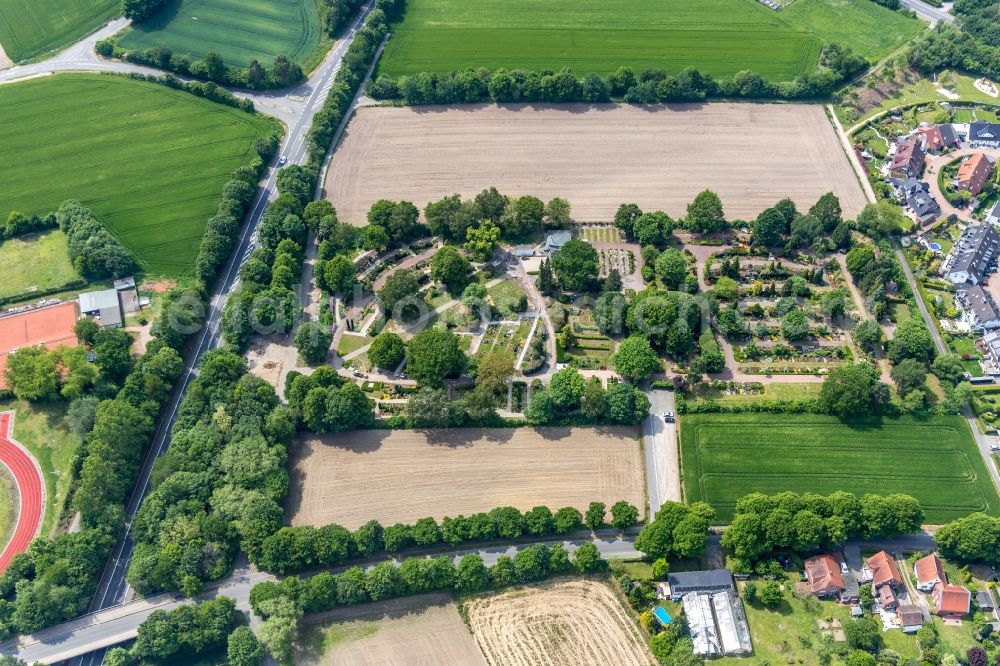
979	309
984	135
908	160
884	570
824	576
915	195
951	601
974	172
935	138
712	580
911	618
929	573
973	257
887	598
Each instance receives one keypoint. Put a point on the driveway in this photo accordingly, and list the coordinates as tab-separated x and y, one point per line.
663	468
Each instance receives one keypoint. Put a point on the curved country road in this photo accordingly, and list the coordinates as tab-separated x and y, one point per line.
30	487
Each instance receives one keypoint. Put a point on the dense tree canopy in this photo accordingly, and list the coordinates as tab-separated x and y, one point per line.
576	266
434	355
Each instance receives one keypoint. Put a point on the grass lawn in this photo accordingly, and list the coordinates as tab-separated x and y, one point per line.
150	161
8	505
506	298
238	30
726	456
349	343
40	429
717	36
924	90
775	391
30	28
34	263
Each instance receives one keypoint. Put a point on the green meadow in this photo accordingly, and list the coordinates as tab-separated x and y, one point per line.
238	30
149	160
726	456
30	28
717	36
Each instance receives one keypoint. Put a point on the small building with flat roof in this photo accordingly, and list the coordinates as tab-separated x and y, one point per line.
103	306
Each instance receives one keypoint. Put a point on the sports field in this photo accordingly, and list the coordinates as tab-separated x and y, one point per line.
596	157
726	456
238	30
150	161
403	475
721	37
30	28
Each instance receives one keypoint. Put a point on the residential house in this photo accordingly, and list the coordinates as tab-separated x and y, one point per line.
825	577
936	138
951	601
991	344
887	597
911	618
885	571
984	135
104	306
993	216
973	257
974	172
979	309
915	195
908	161
929	573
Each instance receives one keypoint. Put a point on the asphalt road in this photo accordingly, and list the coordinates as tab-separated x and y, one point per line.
663	482
120	623
296	107
928	12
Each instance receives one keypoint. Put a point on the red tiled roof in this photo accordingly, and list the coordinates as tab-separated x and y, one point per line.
928	569
909	615
908	153
974	172
932	136
823	572
884	569
885	596
951	600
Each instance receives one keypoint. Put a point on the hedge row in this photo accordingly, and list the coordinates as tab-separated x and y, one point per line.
304	547
649	87
19	224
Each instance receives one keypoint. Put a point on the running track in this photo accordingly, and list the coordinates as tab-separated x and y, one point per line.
28	479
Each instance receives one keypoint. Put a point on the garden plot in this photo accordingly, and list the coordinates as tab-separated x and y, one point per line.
404	475
577	622
599	233
616	259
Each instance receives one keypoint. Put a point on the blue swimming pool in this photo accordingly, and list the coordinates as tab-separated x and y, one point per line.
934	246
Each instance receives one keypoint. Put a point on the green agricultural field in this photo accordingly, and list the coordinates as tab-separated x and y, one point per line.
718	36
150	161
726	456
35	263
238	30
30	28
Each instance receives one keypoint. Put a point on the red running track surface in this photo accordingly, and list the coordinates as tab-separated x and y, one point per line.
29	487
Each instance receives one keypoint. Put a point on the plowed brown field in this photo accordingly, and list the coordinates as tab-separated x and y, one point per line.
597	157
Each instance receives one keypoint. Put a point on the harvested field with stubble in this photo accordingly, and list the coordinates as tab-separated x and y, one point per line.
425	629
577	622
403	475
597	156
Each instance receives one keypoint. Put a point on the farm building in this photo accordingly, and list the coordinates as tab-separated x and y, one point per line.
974	172
951	601
929	573
972	259
911	618
908	160
685	582
979	309
103	306
717	623
984	135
